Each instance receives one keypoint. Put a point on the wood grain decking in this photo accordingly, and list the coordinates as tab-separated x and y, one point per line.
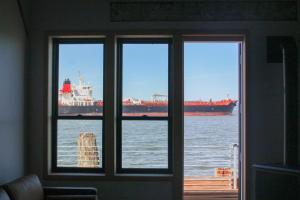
209	188
211	195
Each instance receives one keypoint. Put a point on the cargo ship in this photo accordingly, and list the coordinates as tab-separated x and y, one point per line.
78	100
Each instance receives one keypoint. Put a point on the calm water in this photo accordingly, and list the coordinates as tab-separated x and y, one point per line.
208	142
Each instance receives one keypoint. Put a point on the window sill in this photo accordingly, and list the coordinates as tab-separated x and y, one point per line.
103	177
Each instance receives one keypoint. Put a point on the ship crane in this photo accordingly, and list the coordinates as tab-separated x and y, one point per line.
159	97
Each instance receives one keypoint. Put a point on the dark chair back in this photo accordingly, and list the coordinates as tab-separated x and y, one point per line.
25	188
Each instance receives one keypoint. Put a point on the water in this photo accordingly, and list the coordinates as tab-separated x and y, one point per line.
68	132
145	144
208	142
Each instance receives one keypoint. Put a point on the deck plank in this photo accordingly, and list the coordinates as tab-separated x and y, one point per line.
209	188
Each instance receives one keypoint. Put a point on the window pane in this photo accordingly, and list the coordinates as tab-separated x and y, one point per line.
211	121
80	79
145	79
144	144
79	143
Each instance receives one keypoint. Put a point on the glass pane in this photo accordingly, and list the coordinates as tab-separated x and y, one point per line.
79	143
144	144
145	79
80	79
211	121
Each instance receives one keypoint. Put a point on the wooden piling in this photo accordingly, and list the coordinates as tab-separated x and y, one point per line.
87	151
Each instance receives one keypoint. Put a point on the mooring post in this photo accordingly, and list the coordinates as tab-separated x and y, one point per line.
87	151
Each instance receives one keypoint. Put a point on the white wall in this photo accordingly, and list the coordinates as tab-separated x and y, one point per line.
12	65
264	101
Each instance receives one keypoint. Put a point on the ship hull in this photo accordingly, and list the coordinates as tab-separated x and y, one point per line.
152	110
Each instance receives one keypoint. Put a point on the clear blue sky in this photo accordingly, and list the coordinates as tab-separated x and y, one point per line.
145	70
211	69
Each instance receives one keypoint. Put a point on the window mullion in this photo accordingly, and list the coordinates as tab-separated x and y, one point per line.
81	117
178	110
109	105
145	118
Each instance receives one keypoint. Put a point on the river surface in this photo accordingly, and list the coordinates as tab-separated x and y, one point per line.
208	142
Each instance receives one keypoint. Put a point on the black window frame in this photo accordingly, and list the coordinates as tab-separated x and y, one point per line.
55	116
120	117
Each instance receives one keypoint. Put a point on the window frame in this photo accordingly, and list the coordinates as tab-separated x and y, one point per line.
54	107
110	82
119	107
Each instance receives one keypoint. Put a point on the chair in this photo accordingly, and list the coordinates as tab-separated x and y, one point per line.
30	188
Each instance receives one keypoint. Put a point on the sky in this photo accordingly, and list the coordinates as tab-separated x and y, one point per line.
145	70
211	69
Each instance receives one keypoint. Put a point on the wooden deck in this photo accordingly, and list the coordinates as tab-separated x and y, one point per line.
209	188
211	195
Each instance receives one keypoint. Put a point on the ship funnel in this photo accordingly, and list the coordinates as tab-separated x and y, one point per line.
66	86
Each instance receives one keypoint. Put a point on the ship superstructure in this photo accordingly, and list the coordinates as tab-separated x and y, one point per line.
76	95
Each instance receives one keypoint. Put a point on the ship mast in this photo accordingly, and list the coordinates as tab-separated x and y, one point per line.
81	79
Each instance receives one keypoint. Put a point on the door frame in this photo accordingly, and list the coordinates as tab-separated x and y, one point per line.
179	40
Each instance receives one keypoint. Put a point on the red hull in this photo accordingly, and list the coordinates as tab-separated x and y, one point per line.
159	114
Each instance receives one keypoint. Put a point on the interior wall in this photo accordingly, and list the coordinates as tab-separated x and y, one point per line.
264	100
12	65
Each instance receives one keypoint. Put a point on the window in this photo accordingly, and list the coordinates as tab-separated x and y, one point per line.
143	116
77	110
127	90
